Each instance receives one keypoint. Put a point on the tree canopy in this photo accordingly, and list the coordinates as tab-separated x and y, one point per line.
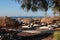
35	5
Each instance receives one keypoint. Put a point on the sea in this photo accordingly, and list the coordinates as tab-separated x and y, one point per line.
15	17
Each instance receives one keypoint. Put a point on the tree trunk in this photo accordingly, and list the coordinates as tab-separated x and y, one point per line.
54	14
59	14
45	14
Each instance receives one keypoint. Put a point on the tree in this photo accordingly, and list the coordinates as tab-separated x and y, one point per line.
36	5
54	13
56	6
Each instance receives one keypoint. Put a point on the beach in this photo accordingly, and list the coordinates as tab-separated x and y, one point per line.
29	28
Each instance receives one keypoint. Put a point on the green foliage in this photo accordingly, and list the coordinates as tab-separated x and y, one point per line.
57	35
34	5
57	5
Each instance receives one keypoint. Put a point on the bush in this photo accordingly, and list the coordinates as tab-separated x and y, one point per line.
57	35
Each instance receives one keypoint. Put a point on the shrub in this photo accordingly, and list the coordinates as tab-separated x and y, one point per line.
57	35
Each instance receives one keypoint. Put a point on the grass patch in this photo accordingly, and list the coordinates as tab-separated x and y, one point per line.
57	35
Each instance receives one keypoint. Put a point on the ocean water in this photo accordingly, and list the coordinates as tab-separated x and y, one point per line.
27	17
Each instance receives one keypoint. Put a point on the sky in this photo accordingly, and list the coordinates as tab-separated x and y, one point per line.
12	8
